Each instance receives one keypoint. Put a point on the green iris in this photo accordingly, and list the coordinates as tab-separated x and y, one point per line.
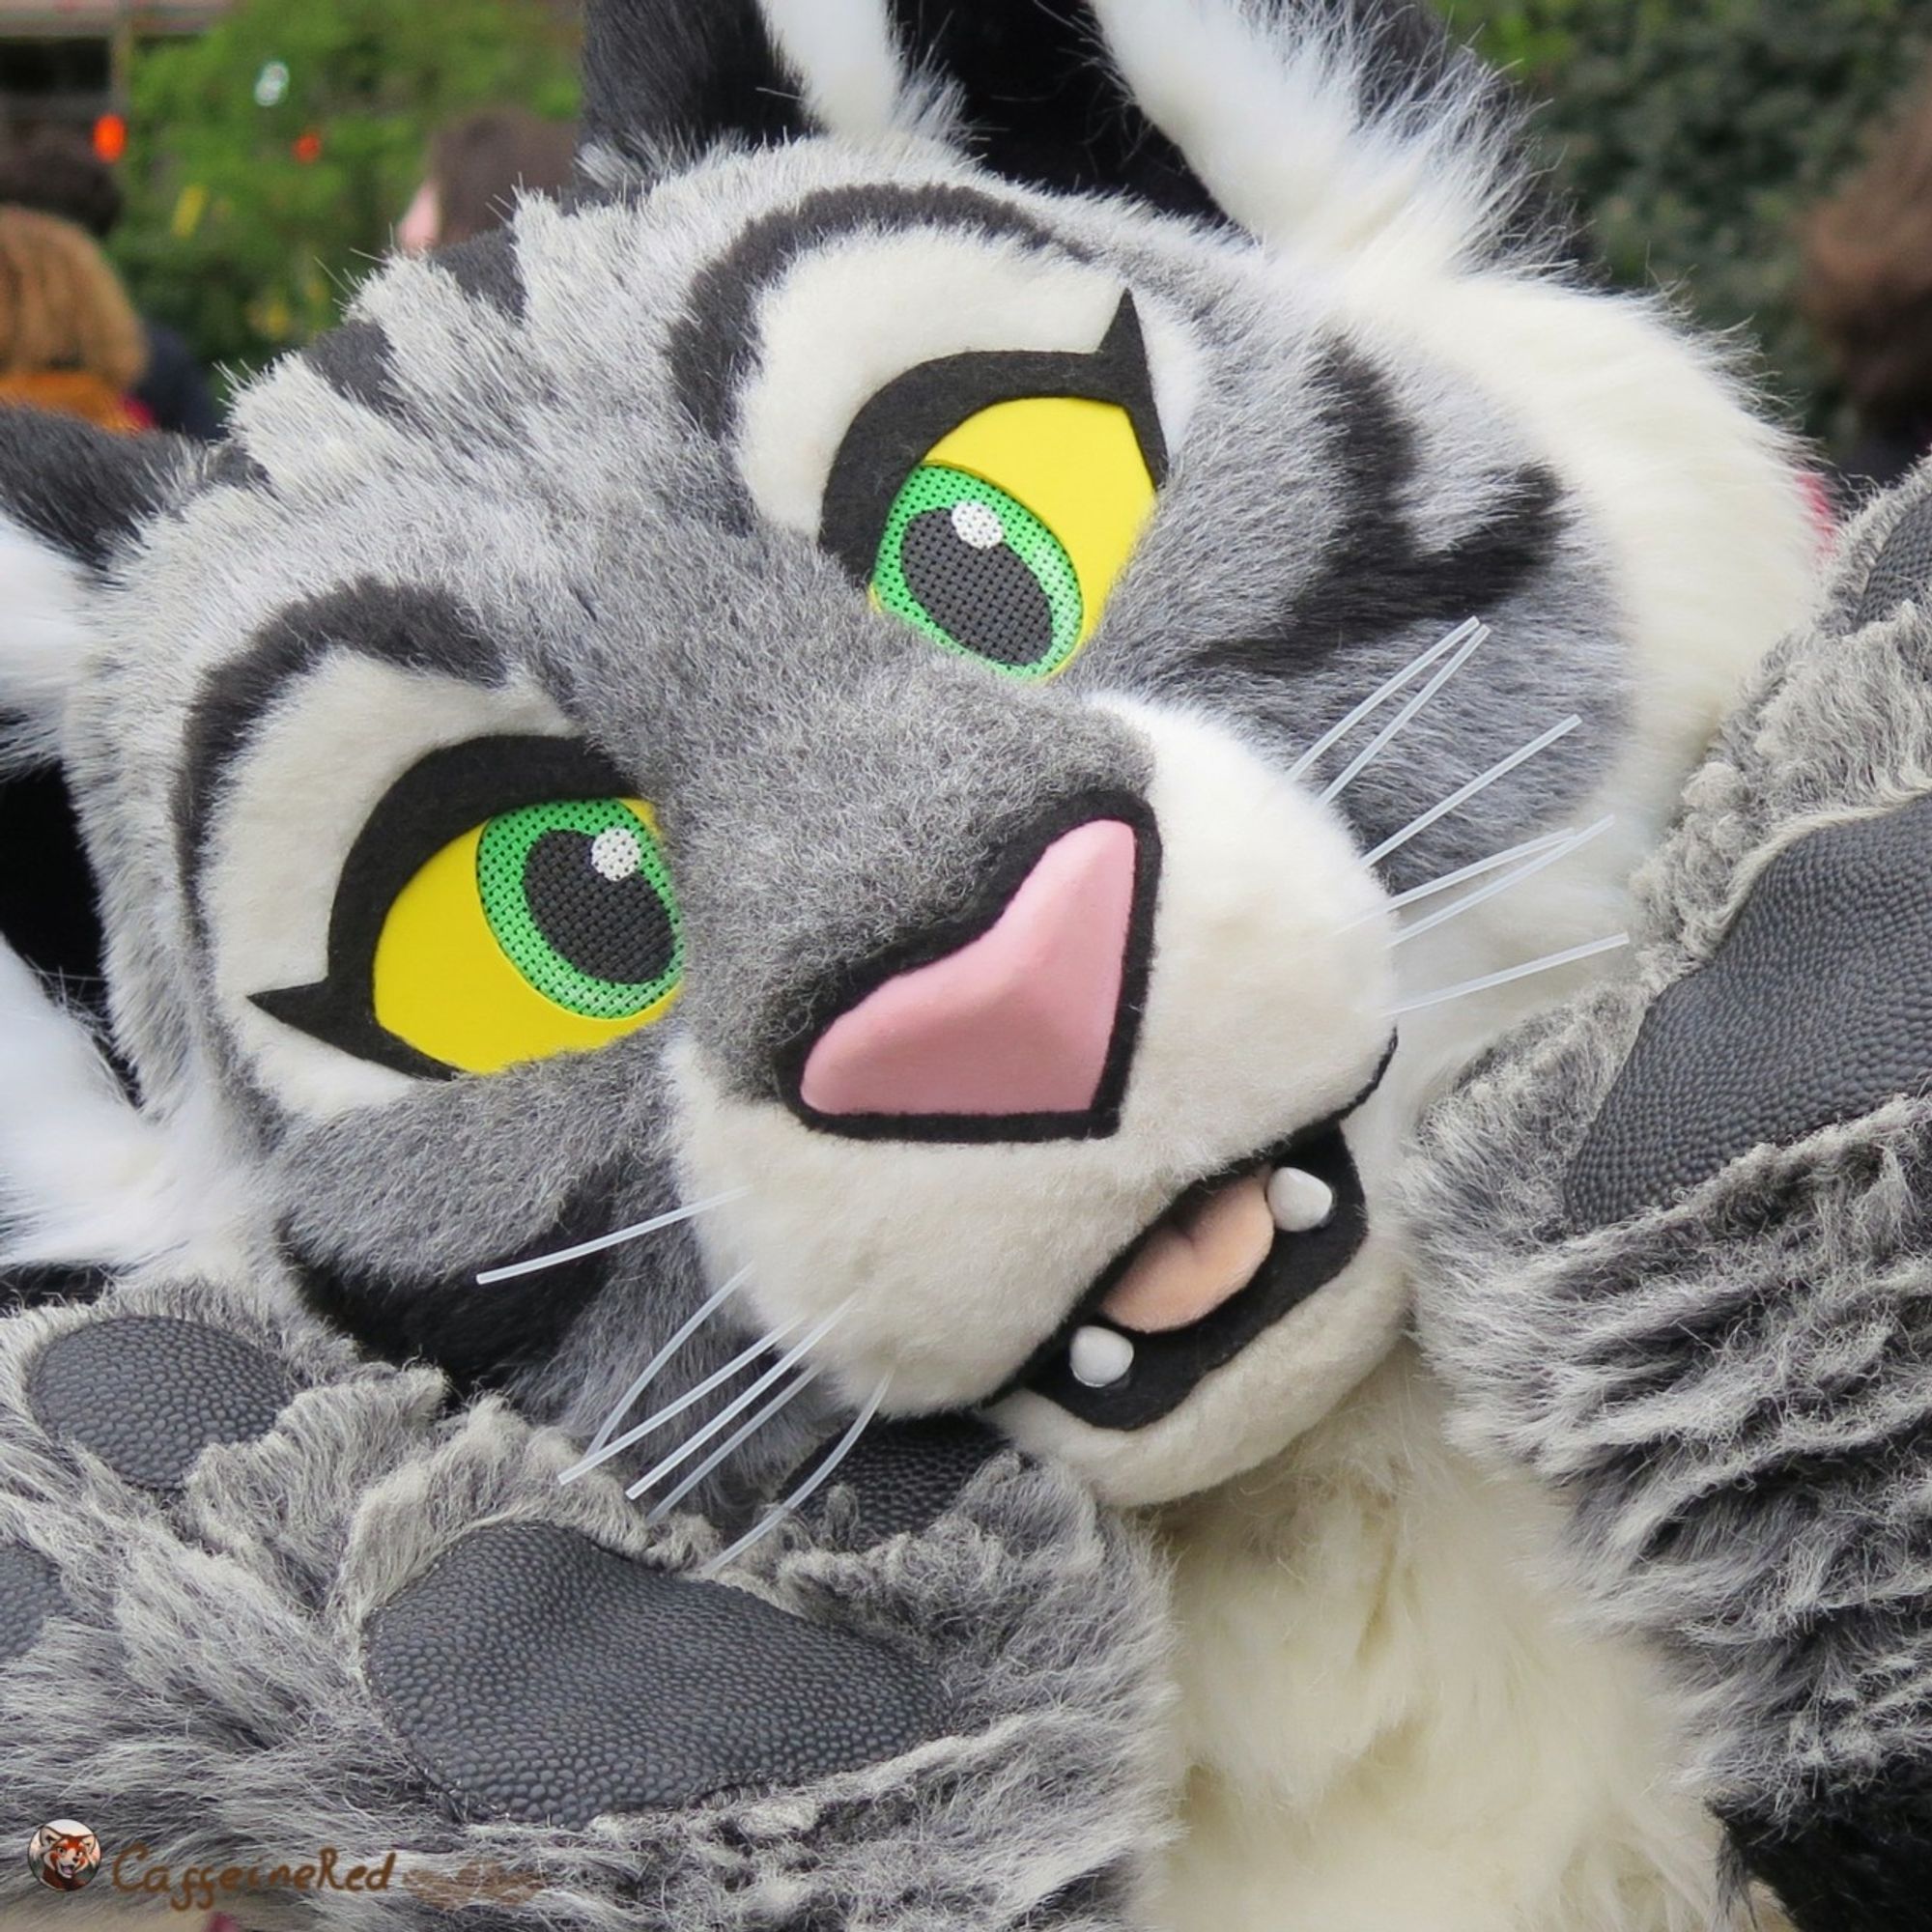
979	573
580	898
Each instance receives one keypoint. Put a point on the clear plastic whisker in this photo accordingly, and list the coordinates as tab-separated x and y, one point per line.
1470	987
1374	701
738	1404
785	1396
536	1265
1396	726
655	1367
1461	797
805	1491
1574	842
595	1458
1461	875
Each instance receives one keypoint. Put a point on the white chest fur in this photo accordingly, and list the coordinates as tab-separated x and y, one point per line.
1392	1724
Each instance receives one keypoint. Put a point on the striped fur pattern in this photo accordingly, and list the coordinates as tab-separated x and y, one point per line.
565	488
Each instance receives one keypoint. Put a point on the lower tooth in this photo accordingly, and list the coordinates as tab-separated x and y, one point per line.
1299	1202
1099	1357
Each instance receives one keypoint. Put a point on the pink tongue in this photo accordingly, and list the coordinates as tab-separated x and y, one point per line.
1182	1273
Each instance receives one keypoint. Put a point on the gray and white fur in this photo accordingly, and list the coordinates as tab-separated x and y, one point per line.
1739	1407
567	484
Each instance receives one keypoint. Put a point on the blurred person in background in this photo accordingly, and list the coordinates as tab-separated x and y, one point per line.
1868	290
476	167
70	344
70	339
58	173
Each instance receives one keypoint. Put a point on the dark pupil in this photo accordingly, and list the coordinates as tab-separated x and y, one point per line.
615	929
986	600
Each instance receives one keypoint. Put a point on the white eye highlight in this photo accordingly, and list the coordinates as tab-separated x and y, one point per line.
975	525
615	854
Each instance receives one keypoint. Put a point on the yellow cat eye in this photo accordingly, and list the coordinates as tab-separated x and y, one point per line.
1007	540
554	928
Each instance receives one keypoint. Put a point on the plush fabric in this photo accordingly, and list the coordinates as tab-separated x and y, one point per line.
322	1344
1739	1406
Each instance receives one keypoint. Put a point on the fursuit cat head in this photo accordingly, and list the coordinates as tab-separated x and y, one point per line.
806	690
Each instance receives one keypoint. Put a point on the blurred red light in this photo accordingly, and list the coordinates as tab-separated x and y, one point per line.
110	138
308	147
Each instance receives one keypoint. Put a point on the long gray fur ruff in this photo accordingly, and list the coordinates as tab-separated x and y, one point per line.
1732	1388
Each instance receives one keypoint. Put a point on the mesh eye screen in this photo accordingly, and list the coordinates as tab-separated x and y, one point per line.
554	928
978	572
1005	542
578	895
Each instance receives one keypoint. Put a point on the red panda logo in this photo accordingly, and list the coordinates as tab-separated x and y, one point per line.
65	1855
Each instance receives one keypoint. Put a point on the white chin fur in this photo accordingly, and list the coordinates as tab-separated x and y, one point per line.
1267	1009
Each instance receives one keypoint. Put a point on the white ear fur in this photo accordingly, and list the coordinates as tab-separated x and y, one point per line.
43	643
856	82
86	1176
1274	115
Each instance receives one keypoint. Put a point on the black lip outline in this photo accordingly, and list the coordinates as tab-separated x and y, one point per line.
998	883
1168	1367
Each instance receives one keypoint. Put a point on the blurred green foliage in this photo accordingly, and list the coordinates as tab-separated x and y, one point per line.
1696	131
248	223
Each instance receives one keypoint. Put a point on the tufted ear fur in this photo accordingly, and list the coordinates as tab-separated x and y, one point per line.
1330	126
1336	126
71	496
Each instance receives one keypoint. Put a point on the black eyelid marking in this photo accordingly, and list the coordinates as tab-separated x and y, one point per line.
894	429
437	798
713	343
411	629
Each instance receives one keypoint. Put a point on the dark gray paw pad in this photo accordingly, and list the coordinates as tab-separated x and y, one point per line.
906	1475
30	1593
1817	1009
1903	571
147	1394
539	1677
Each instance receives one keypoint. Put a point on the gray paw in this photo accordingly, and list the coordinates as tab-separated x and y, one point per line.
1676	1248
1817	1008
538	1676
30	1593
1903	568
147	1394
903	1476
541	1678
281	1584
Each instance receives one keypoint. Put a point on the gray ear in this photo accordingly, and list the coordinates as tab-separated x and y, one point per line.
665	80
83	490
1325	125
70	495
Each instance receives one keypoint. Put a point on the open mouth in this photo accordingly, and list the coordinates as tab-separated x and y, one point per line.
1229	1258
